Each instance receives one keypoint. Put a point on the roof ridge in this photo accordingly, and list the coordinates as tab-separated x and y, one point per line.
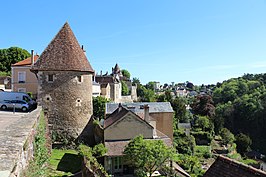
240	164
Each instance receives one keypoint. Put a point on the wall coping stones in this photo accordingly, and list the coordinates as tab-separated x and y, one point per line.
13	153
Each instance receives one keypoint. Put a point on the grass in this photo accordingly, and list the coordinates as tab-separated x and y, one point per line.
37	166
203	151
64	163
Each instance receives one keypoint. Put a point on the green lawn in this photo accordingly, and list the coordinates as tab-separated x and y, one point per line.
64	163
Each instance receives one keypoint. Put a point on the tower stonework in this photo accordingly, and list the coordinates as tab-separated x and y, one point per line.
65	86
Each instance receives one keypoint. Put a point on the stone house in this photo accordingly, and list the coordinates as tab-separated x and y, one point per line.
161	112
23	80
65	86
120	127
111	86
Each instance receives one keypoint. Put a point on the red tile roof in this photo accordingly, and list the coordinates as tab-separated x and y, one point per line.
63	54
26	62
226	167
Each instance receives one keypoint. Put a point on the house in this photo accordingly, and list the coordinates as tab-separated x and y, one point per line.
161	112
111	86
23	80
120	127
65	87
5	83
226	167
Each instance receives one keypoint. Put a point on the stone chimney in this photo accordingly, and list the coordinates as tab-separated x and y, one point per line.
32	57
146	113
84	51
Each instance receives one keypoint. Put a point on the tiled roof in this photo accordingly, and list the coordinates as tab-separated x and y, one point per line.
118	114
225	167
63	54
27	61
105	79
116	148
154	107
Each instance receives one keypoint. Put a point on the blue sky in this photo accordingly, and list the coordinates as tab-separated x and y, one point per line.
204	41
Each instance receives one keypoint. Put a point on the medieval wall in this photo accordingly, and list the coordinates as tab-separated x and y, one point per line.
67	100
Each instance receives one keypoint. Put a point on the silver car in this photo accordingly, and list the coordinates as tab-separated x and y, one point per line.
18	104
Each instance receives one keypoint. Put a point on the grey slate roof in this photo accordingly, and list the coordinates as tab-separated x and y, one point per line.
137	107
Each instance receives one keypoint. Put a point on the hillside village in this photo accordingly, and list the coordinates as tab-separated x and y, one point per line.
171	128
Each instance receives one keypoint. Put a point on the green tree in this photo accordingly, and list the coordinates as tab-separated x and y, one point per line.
150	85
145	95
99	150
147	156
125	90
227	136
125	73
135	81
243	143
10	56
179	107
99	106
184	144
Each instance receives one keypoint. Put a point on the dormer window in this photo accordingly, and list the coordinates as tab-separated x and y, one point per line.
50	78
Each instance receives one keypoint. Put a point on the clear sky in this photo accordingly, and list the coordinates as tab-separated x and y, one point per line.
202	41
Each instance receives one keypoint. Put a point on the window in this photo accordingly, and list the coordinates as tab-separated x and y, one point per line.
50	77
21	89
21	77
79	78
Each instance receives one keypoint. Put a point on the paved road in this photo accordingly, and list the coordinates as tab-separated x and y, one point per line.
7	118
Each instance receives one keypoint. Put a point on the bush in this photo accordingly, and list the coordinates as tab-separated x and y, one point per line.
202	138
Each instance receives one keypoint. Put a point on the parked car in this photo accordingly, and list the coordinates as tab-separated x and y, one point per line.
19	104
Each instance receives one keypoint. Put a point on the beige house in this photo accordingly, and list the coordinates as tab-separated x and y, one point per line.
161	112
23	80
119	128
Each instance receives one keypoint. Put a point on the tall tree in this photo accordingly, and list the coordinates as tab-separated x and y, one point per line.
99	106
203	105
147	156
10	56
125	90
126	73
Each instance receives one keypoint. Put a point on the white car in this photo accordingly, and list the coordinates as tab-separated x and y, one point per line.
18	104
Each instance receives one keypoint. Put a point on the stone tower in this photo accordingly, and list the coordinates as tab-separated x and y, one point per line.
65	85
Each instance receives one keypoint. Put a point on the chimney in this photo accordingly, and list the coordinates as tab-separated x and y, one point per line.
32	57
146	113
119	107
84	51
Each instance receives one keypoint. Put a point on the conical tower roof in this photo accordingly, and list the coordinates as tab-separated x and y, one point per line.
63	54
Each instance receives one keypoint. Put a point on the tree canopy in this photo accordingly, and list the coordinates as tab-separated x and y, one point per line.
147	156
10	56
126	73
99	106
241	107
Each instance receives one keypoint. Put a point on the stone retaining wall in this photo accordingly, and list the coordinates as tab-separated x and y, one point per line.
16	144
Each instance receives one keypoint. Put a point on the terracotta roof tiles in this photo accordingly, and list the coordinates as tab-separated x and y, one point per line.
226	167
26	62
63	54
